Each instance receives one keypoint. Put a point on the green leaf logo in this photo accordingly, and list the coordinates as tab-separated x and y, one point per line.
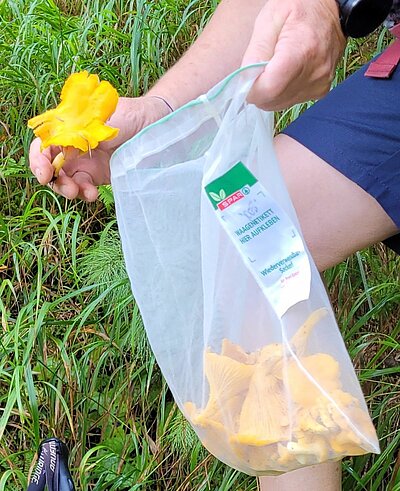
218	197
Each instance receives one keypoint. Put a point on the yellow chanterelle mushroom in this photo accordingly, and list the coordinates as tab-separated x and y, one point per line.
78	122
228	382
280	407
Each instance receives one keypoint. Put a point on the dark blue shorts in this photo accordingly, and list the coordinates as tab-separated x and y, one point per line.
356	129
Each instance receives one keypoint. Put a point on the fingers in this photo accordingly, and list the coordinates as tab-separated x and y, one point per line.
302	42
267	28
40	162
80	185
87	191
273	89
65	186
287	80
72	181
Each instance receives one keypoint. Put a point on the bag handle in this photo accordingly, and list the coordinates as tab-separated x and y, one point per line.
242	80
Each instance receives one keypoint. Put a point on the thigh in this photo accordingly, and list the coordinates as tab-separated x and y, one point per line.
336	215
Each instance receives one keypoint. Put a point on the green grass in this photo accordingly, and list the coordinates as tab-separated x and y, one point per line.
74	359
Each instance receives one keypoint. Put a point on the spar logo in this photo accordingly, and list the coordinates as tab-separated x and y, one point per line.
224	202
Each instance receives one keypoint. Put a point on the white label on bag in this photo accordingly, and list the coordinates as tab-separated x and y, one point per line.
265	236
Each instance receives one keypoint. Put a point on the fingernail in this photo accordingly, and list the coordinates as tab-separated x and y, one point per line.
63	189
88	195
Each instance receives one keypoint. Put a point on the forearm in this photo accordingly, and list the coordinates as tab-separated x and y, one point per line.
217	52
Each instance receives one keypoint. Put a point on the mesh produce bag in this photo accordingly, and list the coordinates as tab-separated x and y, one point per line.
233	305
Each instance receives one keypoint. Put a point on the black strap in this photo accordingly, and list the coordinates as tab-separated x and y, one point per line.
38	479
52	468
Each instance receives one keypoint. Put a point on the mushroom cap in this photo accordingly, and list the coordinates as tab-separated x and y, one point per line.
228	382
79	120
264	416
310	376
237	353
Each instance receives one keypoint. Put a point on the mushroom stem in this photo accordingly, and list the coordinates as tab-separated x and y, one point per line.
67	153
57	163
300	338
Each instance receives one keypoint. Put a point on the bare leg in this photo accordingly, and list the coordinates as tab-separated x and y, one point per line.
337	218
324	477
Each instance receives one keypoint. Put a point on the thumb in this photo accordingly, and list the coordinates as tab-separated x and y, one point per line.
265	35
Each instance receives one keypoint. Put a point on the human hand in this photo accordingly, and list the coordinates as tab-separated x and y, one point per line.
303	42
81	174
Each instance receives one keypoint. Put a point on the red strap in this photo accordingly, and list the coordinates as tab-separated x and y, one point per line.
395	31
386	63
